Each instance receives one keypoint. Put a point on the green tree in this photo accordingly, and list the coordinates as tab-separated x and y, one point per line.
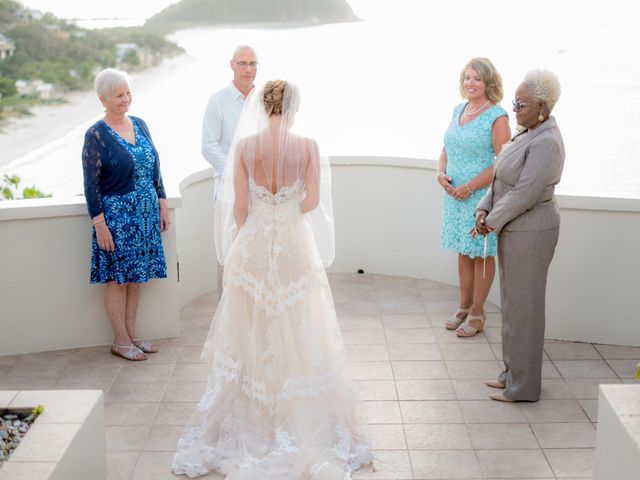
131	58
7	87
7	11
11	187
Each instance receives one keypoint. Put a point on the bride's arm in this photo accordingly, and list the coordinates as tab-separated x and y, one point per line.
241	190
312	178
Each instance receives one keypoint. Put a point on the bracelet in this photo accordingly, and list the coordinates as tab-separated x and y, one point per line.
440	174
98	221
468	188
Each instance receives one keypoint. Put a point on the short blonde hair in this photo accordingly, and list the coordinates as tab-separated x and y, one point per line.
489	75
109	79
545	86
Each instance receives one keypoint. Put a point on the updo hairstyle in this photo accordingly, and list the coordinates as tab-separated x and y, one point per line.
274	97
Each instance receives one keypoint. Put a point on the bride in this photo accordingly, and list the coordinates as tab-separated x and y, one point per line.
277	405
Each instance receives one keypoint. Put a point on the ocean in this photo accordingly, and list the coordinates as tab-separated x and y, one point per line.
387	86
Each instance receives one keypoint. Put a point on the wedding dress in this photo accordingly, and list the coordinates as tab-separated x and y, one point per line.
277	405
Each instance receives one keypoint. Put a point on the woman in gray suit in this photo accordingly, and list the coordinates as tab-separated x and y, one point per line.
520	207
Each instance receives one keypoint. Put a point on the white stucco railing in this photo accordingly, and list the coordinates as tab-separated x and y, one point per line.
388	214
618	440
47	302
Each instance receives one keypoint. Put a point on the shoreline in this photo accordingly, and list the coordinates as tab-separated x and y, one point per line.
51	122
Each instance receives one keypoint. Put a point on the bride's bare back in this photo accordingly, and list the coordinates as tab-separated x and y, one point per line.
275	159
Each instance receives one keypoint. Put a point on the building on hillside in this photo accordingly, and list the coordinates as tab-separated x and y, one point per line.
28	14
35	88
131	55
7	47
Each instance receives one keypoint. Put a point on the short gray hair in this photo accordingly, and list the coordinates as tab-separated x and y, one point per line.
545	86
239	48
109	79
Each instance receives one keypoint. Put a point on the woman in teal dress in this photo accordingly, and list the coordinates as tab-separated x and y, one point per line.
478	129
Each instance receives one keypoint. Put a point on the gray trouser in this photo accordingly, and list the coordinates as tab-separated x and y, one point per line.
524	259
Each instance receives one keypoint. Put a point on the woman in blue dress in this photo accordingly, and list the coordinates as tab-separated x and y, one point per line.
127	204
478	129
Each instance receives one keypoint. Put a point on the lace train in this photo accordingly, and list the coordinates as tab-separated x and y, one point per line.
277	405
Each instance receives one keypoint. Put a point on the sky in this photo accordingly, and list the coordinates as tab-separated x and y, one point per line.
99	9
509	13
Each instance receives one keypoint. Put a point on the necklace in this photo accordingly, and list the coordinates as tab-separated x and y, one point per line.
468	114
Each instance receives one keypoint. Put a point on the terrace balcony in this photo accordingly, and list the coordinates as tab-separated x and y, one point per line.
422	387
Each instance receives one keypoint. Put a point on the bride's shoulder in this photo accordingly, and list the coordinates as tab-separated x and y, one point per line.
308	141
311	144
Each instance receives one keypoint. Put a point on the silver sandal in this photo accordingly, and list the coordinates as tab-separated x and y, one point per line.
467	330
145	346
131	353
455	321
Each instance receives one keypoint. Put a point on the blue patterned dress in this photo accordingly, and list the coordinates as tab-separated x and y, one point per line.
134	222
469	152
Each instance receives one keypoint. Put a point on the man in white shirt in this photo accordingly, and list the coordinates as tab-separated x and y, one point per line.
222	113
224	107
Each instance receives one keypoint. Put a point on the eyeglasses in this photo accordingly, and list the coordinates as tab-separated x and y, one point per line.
518	105
247	64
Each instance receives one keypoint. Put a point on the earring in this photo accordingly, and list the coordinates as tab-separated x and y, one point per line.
540	118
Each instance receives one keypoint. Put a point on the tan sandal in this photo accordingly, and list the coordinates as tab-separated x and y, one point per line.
131	353
145	346
501	398
494	384
455	321
466	330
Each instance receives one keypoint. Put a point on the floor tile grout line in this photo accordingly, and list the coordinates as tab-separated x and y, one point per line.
395	387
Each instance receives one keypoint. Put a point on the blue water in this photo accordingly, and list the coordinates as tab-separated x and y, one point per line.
387	86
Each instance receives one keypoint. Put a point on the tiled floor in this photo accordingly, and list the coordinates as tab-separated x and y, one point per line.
422	390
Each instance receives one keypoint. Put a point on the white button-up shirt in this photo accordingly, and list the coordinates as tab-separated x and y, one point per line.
218	126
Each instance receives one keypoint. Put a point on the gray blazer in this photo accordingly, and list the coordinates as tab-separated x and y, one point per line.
525	175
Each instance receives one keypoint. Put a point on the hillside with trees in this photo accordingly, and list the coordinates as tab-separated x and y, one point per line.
47	56
53	56
252	12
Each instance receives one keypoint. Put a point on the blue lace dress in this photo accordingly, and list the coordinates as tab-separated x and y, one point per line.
134	222
469	151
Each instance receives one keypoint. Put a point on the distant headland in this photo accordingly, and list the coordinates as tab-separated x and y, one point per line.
280	13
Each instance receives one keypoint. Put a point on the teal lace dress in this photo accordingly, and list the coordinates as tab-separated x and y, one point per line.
469	151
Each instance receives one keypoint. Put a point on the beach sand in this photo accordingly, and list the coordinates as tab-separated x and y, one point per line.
51	122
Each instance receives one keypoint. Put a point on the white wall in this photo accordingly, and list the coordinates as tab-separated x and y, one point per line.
47	302
197	255
388	215
594	284
618	437
68	440
388	218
